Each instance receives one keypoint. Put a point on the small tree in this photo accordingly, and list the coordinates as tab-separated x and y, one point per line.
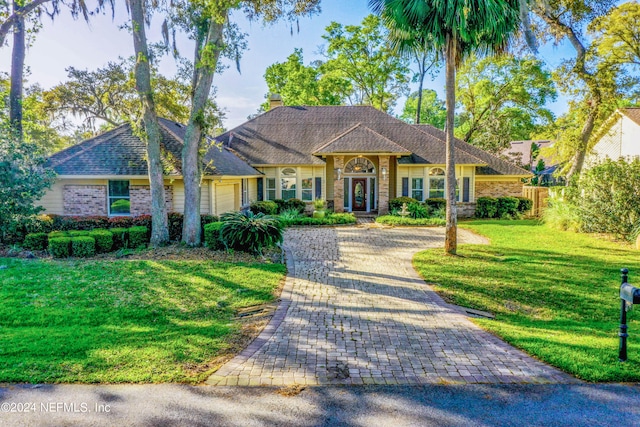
24	180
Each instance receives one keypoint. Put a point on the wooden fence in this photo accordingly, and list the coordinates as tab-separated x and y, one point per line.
539	195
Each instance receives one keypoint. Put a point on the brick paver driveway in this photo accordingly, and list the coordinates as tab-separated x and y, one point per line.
354	311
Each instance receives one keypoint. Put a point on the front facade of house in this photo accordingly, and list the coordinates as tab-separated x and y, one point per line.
617	138
355	158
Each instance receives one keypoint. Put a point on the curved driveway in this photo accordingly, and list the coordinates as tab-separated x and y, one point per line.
354	311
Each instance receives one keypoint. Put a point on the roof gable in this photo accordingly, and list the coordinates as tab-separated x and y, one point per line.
361	139
632	113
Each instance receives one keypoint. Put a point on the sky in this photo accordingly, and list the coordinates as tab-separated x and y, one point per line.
67	42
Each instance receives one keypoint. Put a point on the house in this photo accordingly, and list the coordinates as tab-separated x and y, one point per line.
355	157
528	155
107	175
618	137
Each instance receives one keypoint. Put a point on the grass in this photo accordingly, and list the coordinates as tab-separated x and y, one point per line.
112	321
399	220
555	294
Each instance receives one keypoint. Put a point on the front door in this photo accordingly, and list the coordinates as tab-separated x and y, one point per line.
359	194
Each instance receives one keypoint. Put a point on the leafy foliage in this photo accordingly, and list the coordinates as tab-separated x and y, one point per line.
432	112
24	180
120	237
486	207
138	236
212	237
83	246
35	241
250	232
398	220
329	219
104	240
59	247
266	207
396	204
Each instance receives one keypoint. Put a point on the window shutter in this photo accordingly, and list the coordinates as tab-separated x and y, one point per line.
465	189
260	190
405	187
318	187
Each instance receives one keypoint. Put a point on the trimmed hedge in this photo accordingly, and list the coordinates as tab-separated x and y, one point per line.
266	207
104	240
507	207
524	204
204	220
486	207
296	204
330	219
83	246
60	247
120	238
282	205
175	220
35	242
212	238
77	233
435	204
138	236
56	234
396	204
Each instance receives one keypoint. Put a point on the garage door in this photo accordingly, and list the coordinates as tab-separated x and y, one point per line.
225	198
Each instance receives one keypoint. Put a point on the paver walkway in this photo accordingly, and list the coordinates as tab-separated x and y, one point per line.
354	311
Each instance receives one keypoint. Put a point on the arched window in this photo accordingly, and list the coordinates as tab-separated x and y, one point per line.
288	183
359	165
436	183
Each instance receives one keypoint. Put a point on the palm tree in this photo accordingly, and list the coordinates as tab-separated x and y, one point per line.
455	28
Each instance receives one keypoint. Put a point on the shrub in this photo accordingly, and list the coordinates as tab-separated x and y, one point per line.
436	204
56	234
562	215
120	237
35	242
281	204
83	246
104	240
77	233
204	220
418	210
289	216
120	222
39	224
398	220
249	232
330	219
318	204
266	207
212	237
396	204
524	204
88	222
486	207
175	220
138	236
296	204
507	207
60	247
607	197
342	218
141	221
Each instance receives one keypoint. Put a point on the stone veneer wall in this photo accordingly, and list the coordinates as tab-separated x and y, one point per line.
383	186
338	186
84	200
498	188
141	199
465	210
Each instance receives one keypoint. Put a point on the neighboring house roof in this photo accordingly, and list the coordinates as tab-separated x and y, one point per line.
493	165
120	152
291	136
520	152
632	113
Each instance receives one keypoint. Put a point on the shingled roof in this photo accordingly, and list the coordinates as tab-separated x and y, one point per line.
361	139
493	165
291	136
632	113
120	152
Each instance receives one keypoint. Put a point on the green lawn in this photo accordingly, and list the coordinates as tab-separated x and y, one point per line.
107	321
554	293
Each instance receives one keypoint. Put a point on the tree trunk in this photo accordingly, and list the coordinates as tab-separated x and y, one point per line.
451	233
159	221
423	72
17	72
191	162
585	135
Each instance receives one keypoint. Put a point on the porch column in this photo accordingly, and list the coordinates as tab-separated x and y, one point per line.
383	186
338	185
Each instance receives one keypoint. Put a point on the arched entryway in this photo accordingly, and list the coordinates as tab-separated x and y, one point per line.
360	185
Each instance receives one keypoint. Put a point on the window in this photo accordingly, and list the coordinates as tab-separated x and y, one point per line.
245	192
405	187
288	182
436	183
260	183
307	189
119	200
318	187
359	165
270	188
417	188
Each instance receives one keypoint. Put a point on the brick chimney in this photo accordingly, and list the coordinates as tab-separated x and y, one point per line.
275	100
